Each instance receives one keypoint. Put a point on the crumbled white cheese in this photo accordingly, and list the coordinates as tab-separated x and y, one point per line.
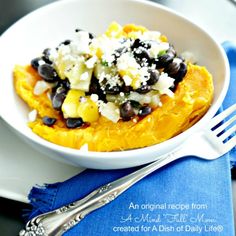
94	97
41	86
108	58
156	48
32	115
112	80
151	35
91	62
127	43
168	92
65	49
122	94
134	72
82	99
144	74
106	45
127	80
81	45
126	61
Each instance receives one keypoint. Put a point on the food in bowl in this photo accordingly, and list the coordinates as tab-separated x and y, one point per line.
127	88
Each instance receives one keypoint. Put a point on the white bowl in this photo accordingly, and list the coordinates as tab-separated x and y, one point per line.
48	26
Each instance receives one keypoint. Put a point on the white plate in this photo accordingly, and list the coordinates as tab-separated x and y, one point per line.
56	22
21	167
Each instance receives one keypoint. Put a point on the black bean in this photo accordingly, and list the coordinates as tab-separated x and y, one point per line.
171	50
172	69
49	121
91	35
126	111
144	89
112	89
66	42
138	43
144	111
126	89
58	98
48	73
64	83
54	88
102	96
95	88
163	60
46	55
154	76
181	73
146	44
135	104
121	50
174	87
155	62
141	55
118	52
36	62
74	123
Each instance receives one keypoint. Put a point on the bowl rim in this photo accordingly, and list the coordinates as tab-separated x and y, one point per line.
123	154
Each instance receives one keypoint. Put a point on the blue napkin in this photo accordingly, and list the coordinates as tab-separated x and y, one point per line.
230	99
188	197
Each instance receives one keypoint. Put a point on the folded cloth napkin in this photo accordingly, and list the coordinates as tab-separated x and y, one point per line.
230	99
188	197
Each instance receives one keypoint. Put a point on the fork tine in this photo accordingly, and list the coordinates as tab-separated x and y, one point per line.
230	144
227	133
220	117
222	127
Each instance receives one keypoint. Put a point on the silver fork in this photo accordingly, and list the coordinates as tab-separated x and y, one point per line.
216	139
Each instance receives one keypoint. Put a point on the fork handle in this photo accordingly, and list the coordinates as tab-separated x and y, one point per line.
57	222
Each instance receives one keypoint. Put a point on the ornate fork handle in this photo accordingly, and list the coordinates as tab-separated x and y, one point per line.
57	222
